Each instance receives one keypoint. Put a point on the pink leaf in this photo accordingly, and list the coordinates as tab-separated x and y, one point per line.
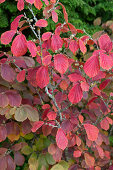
19	158
106	61
77	154
41	23
105	43
104	84
32	48
92	131
51	115
47	60
82	46
92	67
3	133
61	63
85	86
36	126
61	139
20	5
56	42
7	73
100	151
19	45
42	77
46	36
15	23
3	100
73	46
30	1
54	16
90	161
1	1
46	2
21	76
65	13
74	77
104	124
96	91
7	36
75	95
38	4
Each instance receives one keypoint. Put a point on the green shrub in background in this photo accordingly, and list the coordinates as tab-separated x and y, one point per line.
81	13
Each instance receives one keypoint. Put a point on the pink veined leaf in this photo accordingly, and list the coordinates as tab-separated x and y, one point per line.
20	5
4	101
92	67
42	77
1	1
7	73
106	61
15	23
41	23
61	63
36	126
19	45
104	84
32	48
65	13
91	131
54	16
82	46
30	1
105	43
51	115
38	4
75	95
56	42
61	139
7	36
104	124
73	46
21	76
77	154
46	36
46	2
74	77
47	60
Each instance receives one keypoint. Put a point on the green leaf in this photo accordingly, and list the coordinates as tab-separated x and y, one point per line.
64	164
57	167
49	159
26	150
29	136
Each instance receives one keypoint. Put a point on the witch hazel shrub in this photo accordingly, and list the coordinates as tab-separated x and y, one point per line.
56	94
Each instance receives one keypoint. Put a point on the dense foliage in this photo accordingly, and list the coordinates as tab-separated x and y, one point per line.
56	92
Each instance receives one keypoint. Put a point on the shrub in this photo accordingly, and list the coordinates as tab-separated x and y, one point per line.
56	107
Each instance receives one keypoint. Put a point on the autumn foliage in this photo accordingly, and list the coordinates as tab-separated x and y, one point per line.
56	98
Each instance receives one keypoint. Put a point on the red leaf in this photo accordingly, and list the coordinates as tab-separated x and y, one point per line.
10	163
74	77
104	84
75	95
73	46
96	91
51	115
54	16
72	28
38	4
30	1
42	77
14	98
41	23
3	133
61	63
15	23
82	46
77	154
104	124
92	67
19	158
3	100
90	161
36	126
67	126
100	151
84	86
106	61
7	36
61	139
19	45
46	36
21	76
56	42
31	77
32	48
92	131
47	60
65	13
7	73
105	43
20	5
